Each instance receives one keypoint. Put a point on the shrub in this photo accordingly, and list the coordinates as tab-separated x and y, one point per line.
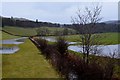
71	65
76	68
42	44
62	46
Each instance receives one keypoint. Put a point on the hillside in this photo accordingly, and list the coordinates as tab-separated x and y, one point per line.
112	22
103	27
22	22
42	31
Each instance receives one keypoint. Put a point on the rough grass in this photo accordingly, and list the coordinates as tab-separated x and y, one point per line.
20	31
27	63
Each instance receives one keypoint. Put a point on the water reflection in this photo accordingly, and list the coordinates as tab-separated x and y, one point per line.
104	50
13	41
8	50
11	50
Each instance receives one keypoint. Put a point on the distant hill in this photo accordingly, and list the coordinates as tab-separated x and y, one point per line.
103	27
23	22
107	26
21	19
112	22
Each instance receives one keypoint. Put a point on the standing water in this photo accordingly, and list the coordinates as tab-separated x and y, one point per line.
11	50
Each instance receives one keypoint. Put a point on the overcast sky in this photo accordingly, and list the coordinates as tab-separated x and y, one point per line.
59	12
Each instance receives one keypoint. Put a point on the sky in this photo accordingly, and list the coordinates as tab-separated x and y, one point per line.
56	12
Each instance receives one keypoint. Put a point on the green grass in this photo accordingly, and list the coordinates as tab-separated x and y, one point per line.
73	38
105	38
110	38
6	36
33	31
20	31
27	63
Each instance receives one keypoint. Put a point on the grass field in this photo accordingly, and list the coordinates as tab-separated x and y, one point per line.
35	31
6	36
52	29
105	38
110	38
20	31
56	30
27	63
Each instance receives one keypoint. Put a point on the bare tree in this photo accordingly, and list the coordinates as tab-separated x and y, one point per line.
87	23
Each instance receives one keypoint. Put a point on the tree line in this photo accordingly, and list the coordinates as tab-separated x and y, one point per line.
26	23
99	28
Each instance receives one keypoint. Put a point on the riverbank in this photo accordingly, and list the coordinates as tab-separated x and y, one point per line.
102	50
74	60
104	38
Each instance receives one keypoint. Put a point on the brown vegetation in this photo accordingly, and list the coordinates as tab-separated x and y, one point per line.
72	66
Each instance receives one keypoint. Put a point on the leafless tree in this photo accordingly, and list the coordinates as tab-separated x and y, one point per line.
87	23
